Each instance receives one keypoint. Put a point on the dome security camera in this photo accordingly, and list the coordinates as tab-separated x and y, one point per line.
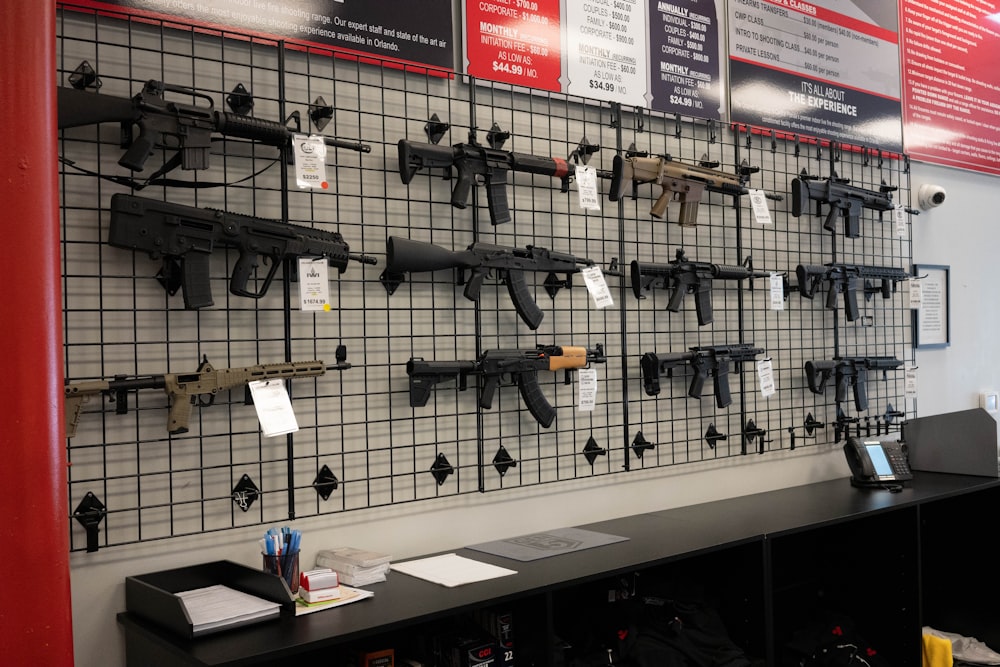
930	196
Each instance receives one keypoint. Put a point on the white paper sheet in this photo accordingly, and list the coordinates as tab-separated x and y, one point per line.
451	570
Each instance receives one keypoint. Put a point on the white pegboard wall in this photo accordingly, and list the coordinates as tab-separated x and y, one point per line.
358	423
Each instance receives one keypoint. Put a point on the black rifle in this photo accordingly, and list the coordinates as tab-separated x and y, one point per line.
678	181
404	255
517	366
714	359
183	126
687	277
184	237
848	372
841	198
476	163
845	278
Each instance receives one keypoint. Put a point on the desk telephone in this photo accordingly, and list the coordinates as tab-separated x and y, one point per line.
876	464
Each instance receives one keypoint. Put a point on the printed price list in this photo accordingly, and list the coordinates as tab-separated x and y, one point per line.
605	50
813	41
514	41
684	41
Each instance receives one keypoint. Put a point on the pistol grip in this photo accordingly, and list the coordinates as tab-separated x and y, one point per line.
463	184
246	265
830	224
490	384
659	208
698	381
475	284
140	150
179	415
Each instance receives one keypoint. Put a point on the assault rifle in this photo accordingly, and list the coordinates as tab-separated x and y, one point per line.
183	126
488	165
706	359
845	278
184	237
684	183
515	366
849	372
841	197
183	389
404	255
687	277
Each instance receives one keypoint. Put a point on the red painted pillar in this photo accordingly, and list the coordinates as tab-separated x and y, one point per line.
35	610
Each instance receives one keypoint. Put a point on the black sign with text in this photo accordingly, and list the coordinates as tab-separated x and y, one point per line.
387	28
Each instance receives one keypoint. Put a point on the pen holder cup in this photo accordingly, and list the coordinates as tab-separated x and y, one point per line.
285	566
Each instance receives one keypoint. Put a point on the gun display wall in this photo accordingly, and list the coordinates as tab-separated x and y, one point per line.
459	253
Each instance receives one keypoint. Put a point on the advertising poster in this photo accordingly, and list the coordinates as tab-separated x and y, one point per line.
514	41
685	58
387	28
606	50
951	83
807	68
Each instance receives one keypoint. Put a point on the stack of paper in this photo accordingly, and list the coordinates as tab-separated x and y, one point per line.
217	607
346	595
357	567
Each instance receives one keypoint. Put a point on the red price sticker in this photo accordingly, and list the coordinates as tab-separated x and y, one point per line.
515	41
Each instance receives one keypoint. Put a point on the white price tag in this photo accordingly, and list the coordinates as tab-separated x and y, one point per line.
593	277
758	206
910	382
899	217
766	376
310	161
777	292
587	379
586	187
314	283
916	294
274	407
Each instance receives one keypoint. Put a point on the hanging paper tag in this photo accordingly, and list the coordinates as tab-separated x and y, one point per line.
899	216
314	283
758	206
310	161
274	408
766	377
777	292
586	187
593	277
910	382
587	379
916	294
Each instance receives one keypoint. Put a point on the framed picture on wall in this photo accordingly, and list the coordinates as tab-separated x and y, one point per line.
931	316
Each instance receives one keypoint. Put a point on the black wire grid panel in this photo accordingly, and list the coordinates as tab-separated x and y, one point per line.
360	444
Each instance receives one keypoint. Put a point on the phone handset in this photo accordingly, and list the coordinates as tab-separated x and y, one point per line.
877	464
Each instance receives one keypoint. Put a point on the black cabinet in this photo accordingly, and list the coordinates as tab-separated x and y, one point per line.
769	563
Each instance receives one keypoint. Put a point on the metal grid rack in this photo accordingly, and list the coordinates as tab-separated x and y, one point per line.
360	444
